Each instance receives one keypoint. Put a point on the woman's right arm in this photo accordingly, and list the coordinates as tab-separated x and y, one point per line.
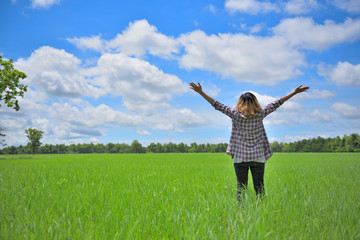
198	89
218	106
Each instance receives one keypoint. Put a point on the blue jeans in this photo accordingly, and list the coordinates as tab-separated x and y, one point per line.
257	172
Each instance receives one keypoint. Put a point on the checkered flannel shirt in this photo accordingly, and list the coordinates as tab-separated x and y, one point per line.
248	140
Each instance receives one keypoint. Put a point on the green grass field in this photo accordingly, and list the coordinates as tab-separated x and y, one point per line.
177	196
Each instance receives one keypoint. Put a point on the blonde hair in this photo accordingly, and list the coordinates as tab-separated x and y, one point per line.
248	104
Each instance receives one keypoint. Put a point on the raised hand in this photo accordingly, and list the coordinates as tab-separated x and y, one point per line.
196	88
300	89
297	90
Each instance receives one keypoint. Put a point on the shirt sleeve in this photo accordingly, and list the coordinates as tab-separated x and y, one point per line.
272	107
231	112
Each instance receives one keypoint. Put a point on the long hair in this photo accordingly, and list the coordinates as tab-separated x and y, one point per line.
248	104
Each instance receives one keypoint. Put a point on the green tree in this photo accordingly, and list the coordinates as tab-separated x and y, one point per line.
181	147
110	148
100	148
159	148
10	88
34	137
193	147
2	141
136	147
151	147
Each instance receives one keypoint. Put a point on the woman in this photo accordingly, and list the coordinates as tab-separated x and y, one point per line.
249	146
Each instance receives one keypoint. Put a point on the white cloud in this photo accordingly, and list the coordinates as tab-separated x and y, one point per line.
317	116
250	6
211	89
63	122
143	86
43	3
300	6
138	39
93	116
142	131
12	123
56	72
305	33
316	94
211	8
141	37
174	120
185	118
351	6
258	60
343	73
346	110
257	28
94	42
42	124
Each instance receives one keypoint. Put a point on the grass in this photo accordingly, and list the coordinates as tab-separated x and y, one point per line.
177	196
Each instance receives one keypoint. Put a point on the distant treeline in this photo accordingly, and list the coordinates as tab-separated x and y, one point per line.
135	147
348	143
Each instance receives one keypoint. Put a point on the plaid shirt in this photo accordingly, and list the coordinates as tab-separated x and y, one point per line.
248	140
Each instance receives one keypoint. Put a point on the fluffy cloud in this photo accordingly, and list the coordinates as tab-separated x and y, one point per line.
343	73
93	43
291	6
142	131
300	6
143	86
306	34
346	110
259	60
57	73
317	116
43	3
185	118
250	6
141	37
138	39
78	120
93	116
316	94
351	6
174	120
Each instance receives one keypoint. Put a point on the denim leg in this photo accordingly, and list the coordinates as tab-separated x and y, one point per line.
257	172
241	171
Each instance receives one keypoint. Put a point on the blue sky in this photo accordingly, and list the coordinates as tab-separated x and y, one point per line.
115	71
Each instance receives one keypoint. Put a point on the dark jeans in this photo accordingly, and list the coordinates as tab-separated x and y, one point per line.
257	172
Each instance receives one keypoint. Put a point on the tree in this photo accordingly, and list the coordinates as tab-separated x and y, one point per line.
136	147
181	147
10	88
34	137
2	141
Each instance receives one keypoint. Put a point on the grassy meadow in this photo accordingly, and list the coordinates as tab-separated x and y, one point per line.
177	196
